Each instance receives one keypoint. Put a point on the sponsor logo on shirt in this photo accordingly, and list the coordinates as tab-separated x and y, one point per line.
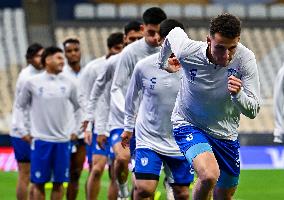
144	161
153	81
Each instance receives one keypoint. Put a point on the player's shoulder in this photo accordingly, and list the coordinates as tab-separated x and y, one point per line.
94	62
244	53
147	62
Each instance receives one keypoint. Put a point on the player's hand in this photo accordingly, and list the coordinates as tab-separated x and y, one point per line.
125	138
73	137
88	137
84	126
234	85
101	140
173	64
27	138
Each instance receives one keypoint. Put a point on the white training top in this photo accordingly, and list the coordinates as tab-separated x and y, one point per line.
18	127
76	119
48	96
153	129
278	108
101	89
204	100
130	55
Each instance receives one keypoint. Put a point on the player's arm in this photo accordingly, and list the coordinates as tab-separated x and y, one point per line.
132	96
245	92
23	102
121	76
175	43
98	89
278	99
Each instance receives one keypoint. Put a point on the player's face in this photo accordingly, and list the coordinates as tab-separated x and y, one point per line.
222	49
72	53
151	34
36	60
116	49
132	36
55	63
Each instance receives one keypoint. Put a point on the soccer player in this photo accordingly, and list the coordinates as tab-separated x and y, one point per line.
115	43
155	143
48	95
220	81
20	132
278	97
72	70
102	152
134	52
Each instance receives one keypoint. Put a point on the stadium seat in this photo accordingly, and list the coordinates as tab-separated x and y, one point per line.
211	10
106	10
257	11
172	10
193	11
237	9
277	11
127	10
84	11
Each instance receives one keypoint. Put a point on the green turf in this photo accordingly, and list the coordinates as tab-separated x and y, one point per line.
254	185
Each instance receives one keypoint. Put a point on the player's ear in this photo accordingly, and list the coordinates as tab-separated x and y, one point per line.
208	40
142	27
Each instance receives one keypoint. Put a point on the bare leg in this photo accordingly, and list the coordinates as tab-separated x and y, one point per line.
23	180
57	191
224	194
39	193
181	192
112	189
76	166
145	189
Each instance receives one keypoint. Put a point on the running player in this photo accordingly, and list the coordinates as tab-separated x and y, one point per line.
102	151
20	132
220	81
155	143
134	52
48	95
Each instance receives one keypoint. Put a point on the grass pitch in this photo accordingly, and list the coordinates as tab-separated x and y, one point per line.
254	185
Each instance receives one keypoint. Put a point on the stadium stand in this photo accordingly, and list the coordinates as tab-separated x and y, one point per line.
266	42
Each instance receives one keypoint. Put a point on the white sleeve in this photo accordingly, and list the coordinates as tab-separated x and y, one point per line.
175	42
248	99
278	108
97	90
121	76
131	97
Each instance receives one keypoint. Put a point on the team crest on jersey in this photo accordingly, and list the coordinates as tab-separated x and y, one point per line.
234	72
189	137
193	73
144	161
153	83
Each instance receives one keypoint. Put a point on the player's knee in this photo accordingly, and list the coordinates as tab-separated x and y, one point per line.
143	191
181	193
97	171
75	175
123	159
210	178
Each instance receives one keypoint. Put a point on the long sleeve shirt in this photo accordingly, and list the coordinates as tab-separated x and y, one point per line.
101	89
19	126
204	100
278	105
48	97
128	59
76	119
153	129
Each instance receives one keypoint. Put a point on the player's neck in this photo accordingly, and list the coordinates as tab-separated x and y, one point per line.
209	56
75	67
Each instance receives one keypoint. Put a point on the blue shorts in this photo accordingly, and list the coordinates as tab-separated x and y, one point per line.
193	141
50	161
148	165
107	151
22	149
76	143
89	149
115	136
132	145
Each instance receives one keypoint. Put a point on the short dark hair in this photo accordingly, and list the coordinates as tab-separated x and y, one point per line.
115	39
70	40
132	26
49	51
167	25
154	15
32	50
227	25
